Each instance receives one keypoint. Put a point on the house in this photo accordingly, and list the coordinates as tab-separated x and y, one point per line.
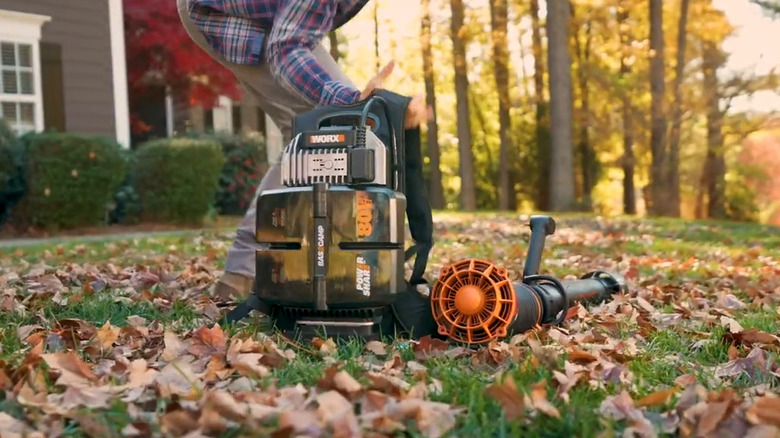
63	67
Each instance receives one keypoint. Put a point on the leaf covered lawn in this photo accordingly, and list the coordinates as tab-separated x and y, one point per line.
119	339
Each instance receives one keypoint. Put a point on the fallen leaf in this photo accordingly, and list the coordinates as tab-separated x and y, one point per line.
376	347
764	411
540	402
73	371
657	398
107	335
511	400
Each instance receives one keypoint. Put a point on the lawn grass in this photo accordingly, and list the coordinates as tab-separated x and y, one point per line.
695	276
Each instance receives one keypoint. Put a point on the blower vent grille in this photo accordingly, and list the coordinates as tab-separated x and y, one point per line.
473	301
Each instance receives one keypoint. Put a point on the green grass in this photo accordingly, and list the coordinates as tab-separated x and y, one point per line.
679	264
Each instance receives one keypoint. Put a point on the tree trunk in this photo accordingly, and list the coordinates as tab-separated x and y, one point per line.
542	116
586	154
659	183
334	45
629	189
376	35
468	192
562	193
499	18
435	187
715	166
674	137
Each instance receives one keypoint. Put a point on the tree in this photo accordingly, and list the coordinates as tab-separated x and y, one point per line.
498	20
164	55
376	35
659	184
713	177
468	190
542	112
333	39
628	160
562	193
432	135
673	169
586	155
770	7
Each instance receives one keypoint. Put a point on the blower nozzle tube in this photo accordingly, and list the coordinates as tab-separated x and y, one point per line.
474	301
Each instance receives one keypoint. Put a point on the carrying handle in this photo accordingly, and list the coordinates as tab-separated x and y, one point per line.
357	114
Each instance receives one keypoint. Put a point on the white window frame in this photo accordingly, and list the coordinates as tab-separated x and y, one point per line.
23	28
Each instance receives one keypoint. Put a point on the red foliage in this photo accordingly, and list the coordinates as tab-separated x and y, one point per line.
763	152
159	47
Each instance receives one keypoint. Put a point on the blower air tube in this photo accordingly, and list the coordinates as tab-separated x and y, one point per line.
474	301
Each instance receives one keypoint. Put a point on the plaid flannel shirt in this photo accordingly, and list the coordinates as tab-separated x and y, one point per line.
282	33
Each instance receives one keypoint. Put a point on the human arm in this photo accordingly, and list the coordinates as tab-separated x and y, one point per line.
298	27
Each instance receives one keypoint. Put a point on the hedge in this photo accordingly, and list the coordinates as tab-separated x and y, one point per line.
245	165
11	176
70	180
175	179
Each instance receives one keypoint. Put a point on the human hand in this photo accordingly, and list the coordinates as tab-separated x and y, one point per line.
377	81
417	112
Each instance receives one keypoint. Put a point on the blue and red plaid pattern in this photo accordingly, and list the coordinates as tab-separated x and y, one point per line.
282	33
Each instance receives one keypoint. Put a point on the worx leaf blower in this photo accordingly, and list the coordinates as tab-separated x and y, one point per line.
332	254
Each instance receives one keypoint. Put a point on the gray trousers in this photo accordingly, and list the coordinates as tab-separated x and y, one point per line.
281	106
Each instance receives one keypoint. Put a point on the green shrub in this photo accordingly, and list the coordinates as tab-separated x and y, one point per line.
127	207
176	179
245	166
70	180
11	177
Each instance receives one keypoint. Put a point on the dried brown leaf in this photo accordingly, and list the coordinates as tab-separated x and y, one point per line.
326	347
73	371
107	335
763	431
657	398
179	422
540	402
376	347
208	341
507	395
390	385
764	411
750	337
428	347
174	347
579	356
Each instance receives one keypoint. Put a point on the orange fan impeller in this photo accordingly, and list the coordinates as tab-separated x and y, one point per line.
474	301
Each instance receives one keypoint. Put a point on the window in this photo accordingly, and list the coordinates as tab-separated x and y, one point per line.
17	105
21	100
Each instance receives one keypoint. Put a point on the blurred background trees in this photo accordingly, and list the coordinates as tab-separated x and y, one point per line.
606	106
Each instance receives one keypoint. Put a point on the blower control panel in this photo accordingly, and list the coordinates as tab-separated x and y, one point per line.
334	157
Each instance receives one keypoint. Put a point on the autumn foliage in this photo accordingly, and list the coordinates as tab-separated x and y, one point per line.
762	154
121	338
161	53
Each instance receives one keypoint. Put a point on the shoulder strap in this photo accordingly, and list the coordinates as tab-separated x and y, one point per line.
418	207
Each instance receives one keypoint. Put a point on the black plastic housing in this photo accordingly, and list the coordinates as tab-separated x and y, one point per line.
362	244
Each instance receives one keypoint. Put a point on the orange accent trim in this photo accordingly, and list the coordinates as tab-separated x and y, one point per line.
474	301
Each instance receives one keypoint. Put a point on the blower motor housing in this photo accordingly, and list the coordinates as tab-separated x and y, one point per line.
332	237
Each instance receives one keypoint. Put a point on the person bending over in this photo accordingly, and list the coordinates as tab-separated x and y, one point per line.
274	48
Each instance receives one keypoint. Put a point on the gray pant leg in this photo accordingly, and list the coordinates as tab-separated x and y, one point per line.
281	106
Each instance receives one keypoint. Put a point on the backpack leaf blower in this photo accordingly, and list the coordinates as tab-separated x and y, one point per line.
331	242
332	237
